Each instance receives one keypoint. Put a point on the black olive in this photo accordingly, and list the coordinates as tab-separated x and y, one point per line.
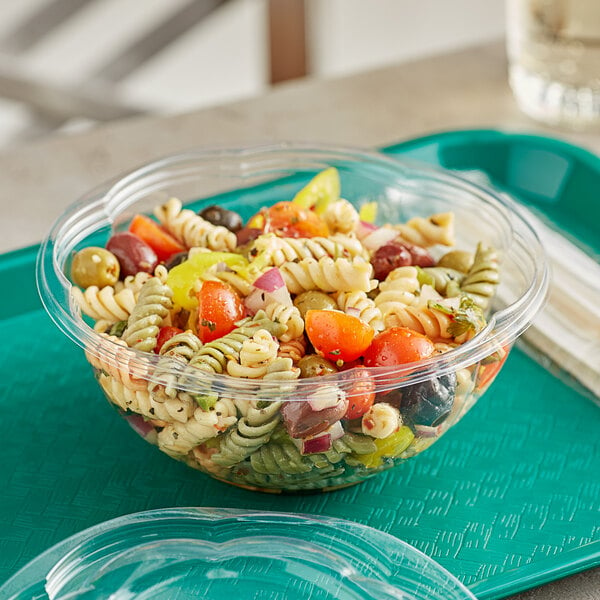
222	216
429	402
176	259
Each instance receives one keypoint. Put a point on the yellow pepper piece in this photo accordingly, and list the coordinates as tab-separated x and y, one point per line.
368	212
391	446
181	278
320	191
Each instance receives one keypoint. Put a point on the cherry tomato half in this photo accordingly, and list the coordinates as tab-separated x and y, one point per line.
164	335
163	243
361	394
336	335
219	308
287	219
396	346
487	372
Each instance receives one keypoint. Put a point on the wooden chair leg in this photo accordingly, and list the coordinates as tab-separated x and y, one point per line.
287	39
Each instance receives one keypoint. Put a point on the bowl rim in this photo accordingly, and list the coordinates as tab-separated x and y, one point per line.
502	328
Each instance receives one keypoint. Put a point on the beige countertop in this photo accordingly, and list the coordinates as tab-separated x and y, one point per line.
466	89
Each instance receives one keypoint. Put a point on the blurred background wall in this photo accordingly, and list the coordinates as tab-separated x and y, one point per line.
68	64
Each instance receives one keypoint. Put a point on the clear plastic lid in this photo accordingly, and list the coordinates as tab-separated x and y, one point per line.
208	553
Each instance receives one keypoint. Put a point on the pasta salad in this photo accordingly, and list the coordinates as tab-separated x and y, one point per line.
307	288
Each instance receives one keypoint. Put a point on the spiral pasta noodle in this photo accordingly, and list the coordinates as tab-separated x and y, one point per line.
110	354
181	347
254	357
180	438
359	304
237	282
328	275
429	321
213	357
399	289
289	317
281	250
435	229
141	402
252	431
192	230
341	217
147	316
483	277
293	349
105	304
446	281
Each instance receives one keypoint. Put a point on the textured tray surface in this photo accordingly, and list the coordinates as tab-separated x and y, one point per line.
511	493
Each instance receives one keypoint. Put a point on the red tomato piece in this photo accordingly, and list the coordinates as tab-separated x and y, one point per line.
361	394
163	243
287	219
487	373
336	335
219	308
164	335
397	346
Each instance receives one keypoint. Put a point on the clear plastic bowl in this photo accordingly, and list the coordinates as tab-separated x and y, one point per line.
246	180
182	553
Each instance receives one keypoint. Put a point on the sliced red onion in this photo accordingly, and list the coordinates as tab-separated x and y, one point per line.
320	443
270	280
427	432
379	237
222	266
363	229
255	301
139	425
259	299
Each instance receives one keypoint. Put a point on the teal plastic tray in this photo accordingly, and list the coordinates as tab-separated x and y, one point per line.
508	499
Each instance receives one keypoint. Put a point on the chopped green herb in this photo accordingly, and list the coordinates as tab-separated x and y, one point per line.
210	324
468	316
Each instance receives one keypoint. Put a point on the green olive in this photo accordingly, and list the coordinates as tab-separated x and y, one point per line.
313	365
95	266
313	300
459	260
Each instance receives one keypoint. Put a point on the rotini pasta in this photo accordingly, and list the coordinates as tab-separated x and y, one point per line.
111	355
192	230
282	250
429	321
360	305
254	357
105	304
483	277
252	431
399	290
289	317
341	217
446	281
152	307
436	229
294	349
180	438
213	357
328	275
